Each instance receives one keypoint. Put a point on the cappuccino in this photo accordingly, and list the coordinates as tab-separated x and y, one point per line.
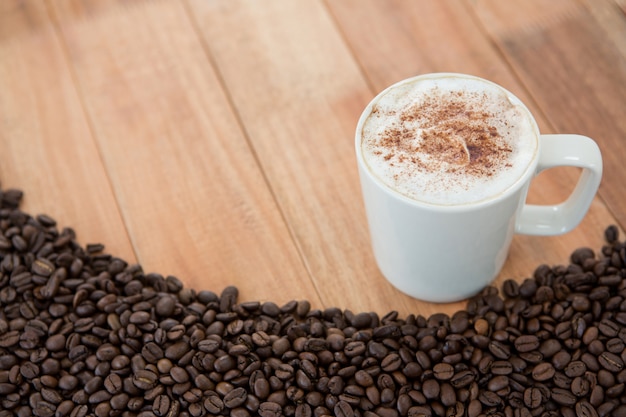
448	140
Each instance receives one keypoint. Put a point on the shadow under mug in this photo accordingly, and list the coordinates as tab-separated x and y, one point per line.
446	253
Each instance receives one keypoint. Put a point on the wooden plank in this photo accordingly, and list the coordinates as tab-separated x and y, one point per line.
611	19
299	93
575	71
396	39
393	40
195	201
47	148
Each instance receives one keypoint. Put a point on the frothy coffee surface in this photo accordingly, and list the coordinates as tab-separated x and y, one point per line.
448	140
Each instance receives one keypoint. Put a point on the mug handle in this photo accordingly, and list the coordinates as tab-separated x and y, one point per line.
564	150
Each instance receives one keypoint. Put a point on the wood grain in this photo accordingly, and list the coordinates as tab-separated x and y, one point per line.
396	39
47	148
611	19
195	201
299	94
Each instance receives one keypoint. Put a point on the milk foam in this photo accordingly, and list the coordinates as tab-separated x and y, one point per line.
448	140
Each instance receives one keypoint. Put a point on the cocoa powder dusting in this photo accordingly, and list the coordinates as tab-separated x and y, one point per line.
458	137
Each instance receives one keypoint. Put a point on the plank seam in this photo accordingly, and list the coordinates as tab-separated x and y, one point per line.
207	52
56	24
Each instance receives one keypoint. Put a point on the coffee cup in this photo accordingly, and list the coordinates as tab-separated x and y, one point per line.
445	162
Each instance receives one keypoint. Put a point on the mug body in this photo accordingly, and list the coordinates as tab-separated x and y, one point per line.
435	254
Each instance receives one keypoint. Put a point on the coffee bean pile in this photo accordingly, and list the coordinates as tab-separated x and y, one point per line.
83	333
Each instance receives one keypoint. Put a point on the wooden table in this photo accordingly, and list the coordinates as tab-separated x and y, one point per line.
213	139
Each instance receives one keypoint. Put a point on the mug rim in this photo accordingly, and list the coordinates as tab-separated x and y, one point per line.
521	181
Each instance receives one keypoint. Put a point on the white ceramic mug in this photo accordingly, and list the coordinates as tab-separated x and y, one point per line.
445	253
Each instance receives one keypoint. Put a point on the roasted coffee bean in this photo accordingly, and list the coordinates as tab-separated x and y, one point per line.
498	383
447	395
161	405
615	391
604	378
303	410
235	398
261	388
99	397
615	345
501	368
611	362
489	399
499	350
481	326
462	379
591	362
213	403
113	383
177	350
580	386
431	389
585	409
179	374
543	371
533	397
343	409
597	396
51	395
611	234
575	368
9	339
526	343
563	397
363	378
608	328
391	362
423	359
228	298
144	379
355	348
563	330
269	409
443	371
561	359
44	409
510	288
